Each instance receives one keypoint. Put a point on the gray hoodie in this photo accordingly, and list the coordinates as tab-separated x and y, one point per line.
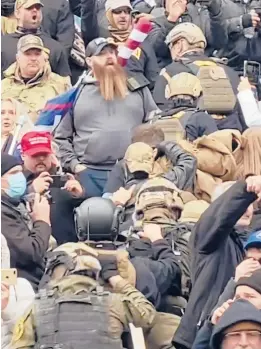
239	311
97	132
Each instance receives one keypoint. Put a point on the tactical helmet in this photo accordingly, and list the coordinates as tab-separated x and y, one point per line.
97	219
189	31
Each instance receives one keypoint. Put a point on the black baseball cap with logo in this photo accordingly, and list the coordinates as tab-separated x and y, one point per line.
95	47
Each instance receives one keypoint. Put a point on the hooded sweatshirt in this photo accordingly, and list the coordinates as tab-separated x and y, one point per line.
98	132
240	311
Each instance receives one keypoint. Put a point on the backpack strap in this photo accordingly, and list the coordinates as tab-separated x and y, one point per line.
195	66
165	74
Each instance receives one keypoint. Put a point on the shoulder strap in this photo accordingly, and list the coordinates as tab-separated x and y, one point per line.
194	69
165	75
195	66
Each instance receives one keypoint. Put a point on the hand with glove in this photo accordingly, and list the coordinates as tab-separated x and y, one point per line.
160	150
109	267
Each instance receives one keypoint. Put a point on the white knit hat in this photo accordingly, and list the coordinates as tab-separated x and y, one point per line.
5	253
114	4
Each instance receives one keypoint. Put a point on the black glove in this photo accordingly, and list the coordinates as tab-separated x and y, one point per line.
161	151
109	266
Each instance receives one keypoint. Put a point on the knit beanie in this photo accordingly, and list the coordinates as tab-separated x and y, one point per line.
5	253
253	281
8	162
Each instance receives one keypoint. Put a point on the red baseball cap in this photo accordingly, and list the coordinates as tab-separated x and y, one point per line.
34	143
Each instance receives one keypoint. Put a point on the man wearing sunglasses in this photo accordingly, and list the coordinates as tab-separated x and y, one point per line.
117	25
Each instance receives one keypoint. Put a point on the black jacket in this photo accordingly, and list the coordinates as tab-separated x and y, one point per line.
237	47
182	174
233	121
58	22
27	247
58	59
157	269
216	250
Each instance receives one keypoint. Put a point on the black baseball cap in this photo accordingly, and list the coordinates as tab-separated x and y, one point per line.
95	47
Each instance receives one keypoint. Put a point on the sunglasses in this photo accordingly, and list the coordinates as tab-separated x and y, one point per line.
125	10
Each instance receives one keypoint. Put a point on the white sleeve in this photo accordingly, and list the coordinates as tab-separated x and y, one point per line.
20	298
250	108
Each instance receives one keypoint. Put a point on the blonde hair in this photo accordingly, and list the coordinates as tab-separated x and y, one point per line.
20	109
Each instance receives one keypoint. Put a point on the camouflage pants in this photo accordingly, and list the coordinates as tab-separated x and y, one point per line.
160	335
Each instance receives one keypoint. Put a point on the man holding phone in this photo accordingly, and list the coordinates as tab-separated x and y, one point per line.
41	169
28	243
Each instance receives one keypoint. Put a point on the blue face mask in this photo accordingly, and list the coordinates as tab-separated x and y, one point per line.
17	185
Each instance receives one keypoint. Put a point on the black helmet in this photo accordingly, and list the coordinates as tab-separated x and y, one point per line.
97	219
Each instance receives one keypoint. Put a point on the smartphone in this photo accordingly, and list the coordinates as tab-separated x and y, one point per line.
58	181
252	71
9	276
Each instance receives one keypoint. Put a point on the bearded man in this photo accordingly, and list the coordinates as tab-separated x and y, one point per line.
95	134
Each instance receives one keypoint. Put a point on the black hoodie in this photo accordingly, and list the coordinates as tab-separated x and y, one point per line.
238	312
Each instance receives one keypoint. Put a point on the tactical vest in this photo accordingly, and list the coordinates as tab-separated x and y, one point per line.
218	97
174	125
71	315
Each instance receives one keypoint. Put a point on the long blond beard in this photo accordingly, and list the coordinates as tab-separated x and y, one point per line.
112	80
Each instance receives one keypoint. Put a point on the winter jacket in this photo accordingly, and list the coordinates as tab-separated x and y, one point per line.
233	120
20	299
27	246
237	45
216	250
58	22
58	59
161	265
250	107
34	93
202	340
92	132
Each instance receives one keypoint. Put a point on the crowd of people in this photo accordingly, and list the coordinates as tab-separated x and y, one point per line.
131	174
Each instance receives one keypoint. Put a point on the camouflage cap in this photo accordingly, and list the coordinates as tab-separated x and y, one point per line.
183	84
26	3
189	31
139	157
29	41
